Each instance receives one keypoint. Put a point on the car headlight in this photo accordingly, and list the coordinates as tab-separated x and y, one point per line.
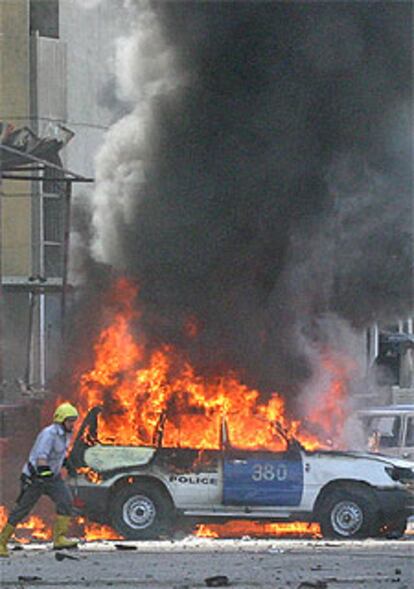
402	475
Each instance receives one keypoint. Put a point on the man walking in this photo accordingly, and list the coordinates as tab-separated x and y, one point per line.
41	476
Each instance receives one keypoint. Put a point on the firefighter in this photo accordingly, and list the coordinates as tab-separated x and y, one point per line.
41	476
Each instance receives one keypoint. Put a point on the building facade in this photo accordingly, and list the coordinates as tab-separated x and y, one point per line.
56	59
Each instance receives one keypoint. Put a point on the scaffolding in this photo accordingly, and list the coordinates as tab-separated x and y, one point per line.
37	160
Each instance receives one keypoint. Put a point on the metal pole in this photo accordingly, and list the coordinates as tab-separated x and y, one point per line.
29	339
68	195
373	344
41	295
42	342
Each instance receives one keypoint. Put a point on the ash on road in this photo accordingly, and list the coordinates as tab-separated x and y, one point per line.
247	563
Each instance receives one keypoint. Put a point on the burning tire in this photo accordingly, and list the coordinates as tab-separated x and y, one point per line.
140	511
348	515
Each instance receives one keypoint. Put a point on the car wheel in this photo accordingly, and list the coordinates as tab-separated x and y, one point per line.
142	511
348	515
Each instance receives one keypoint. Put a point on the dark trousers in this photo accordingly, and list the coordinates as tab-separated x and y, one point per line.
33	489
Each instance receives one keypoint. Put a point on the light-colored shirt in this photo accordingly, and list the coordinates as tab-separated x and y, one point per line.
51	445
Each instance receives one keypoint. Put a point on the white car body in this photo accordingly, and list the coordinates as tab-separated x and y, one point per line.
233	483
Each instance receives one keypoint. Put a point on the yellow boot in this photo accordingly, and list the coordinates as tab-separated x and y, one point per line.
59	533
5	536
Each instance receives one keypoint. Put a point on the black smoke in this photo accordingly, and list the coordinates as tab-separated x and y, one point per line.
278	181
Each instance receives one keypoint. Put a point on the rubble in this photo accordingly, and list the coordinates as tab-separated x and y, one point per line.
61	556
217	581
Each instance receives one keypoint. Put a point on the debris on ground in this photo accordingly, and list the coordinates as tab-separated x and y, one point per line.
313	585
217	581
61	556
28	578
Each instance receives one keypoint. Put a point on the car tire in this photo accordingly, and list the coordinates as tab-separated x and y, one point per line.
347	515
142	511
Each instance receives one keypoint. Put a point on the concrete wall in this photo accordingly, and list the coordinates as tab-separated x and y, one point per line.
15	108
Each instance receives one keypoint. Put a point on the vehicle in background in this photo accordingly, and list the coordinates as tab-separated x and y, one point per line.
389	430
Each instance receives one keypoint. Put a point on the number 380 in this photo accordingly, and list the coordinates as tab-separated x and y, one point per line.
269	472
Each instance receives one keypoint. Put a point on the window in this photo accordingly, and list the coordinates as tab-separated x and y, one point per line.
53	261
53	219
388	428
44	17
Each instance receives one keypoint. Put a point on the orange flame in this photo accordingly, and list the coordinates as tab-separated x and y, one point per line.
256	529
93	531
135	390
33	528
3	516
36	528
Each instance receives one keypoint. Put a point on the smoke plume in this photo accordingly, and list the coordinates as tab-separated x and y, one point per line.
262	180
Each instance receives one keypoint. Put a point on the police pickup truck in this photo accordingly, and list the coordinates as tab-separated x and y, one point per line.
147	492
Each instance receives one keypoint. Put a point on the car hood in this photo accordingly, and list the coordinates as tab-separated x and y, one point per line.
102	458
391	460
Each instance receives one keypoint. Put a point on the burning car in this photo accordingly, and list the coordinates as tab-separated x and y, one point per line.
145	491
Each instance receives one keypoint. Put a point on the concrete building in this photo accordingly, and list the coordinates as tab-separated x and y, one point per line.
55	69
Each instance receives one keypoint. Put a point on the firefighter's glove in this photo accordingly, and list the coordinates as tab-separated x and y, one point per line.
44	472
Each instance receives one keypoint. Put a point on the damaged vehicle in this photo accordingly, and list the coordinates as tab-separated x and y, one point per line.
146	492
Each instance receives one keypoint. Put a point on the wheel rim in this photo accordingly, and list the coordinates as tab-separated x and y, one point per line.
347	518
139	512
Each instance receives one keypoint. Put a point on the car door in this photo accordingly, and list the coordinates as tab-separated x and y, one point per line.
262	478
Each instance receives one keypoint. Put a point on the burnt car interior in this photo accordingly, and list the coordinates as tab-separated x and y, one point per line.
87	436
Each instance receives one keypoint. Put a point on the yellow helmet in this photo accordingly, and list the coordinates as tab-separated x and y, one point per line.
64	411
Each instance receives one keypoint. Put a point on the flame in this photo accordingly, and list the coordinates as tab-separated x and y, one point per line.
134	389
93	531
90	474
3	516
256	529
33	528
36	528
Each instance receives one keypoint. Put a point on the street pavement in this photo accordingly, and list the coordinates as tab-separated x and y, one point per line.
244	564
